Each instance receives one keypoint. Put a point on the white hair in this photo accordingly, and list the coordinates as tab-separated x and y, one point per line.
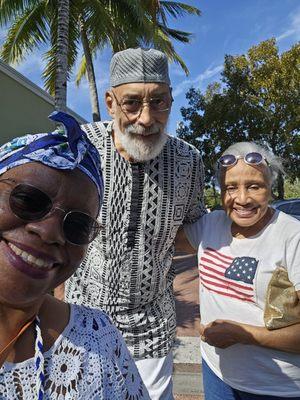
142	150
242	148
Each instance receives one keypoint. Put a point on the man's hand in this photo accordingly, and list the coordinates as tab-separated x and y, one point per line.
59	292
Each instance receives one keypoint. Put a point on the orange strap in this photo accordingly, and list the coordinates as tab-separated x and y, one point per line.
12	342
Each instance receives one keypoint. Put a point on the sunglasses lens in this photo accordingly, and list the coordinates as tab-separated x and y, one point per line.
253	158
29	203
80	228
227	160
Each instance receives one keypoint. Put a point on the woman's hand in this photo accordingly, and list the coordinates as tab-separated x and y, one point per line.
224	333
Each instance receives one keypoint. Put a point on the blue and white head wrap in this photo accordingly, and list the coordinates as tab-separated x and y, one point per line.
62	149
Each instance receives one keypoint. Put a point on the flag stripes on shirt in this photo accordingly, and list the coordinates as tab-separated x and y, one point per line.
228	276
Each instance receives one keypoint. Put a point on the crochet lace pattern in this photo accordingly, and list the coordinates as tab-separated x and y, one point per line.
89	360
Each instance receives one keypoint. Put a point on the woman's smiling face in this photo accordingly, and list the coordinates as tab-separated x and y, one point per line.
246	192
34	256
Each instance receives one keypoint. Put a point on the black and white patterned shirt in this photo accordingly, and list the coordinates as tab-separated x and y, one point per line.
128	269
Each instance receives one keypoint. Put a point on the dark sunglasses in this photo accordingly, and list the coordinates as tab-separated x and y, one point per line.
228	160
31	204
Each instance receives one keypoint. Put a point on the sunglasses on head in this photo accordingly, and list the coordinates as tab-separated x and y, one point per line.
31	204
228	160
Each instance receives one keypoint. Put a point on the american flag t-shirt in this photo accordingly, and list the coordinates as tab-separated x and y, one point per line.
228	276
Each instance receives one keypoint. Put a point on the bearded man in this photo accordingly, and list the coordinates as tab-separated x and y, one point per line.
153	185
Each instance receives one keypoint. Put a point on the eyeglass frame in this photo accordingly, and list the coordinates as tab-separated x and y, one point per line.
239	157
51	212
143	103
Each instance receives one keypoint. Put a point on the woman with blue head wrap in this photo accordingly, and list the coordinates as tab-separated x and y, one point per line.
51	189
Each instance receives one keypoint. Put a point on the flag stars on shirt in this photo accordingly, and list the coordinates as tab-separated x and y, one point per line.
214	266
242	269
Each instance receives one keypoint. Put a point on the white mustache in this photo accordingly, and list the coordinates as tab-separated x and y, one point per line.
139	130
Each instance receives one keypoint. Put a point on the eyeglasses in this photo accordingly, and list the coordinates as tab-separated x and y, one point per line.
135	106
228	160
31	204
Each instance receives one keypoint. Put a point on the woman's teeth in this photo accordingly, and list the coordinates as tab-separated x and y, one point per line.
30	259
245	212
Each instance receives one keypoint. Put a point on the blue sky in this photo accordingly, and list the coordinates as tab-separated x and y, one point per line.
225	27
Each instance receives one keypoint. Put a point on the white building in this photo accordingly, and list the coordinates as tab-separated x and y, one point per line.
24	107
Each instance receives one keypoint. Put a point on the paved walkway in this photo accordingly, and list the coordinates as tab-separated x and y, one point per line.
188	397
186	289
187	360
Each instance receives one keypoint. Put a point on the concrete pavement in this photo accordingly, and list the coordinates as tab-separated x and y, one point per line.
187	359
187	397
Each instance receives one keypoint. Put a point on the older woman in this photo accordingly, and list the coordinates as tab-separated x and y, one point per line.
239	250
50	194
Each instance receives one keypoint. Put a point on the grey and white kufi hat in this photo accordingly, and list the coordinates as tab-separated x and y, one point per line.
139	65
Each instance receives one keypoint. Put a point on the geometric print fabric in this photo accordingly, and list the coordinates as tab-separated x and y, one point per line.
128	268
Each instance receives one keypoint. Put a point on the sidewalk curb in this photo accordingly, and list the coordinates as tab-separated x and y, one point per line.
187	369
187	379
186	350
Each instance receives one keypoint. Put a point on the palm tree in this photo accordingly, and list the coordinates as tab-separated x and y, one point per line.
148	27
124	23
156	13
62	55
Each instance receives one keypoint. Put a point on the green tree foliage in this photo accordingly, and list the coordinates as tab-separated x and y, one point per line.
212	197
258	99
292	188
94	24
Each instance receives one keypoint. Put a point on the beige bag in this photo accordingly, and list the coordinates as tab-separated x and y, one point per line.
282	306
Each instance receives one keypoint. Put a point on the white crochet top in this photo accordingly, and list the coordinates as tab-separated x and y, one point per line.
89	360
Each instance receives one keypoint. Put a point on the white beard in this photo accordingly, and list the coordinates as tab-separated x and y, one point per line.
140	149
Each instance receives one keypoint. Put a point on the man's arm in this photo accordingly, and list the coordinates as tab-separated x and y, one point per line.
195	212
196	206
182	244
59	292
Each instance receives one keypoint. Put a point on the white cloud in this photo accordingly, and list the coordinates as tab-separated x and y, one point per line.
204	76
293	29
32	65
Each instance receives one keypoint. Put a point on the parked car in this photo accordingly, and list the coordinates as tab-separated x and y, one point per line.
289	206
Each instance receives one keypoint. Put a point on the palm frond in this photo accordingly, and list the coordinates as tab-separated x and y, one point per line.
11	9
130	11
181	36
163	43
27	32
81	71
49	72
175	9
95	46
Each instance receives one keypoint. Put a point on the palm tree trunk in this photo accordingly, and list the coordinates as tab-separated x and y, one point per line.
62	55
90	72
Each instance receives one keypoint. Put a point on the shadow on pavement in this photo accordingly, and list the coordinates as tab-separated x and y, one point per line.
186	290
